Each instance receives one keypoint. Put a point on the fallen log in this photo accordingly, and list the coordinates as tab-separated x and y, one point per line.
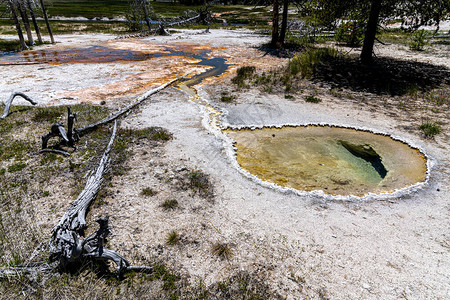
56	151
67	247
161	29
25	269
83	130
11	98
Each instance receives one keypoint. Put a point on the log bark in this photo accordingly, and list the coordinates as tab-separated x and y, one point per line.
284	22
25	269
57	129
275	24
83	130
11	98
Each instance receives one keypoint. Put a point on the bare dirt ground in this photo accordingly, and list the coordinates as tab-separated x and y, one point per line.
299	246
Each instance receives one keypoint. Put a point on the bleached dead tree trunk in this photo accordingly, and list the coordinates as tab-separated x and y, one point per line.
26	23
10	100
33	18
49	29
67	247
147	18
12	6
81	131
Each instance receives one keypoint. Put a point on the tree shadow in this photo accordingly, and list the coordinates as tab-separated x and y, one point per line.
287	51
384	76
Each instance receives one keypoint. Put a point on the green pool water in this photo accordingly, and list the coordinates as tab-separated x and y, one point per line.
339	161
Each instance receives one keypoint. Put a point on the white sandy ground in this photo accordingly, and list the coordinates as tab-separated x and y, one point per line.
302	246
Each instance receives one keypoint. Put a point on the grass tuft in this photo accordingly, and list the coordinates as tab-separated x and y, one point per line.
172	238
312	99
148	192
430	129
242	74
305	63
222	250
169	204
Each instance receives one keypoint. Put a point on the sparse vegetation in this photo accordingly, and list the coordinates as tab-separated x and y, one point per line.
172	238
305	63
9	46
199	182
16	167
169	204
227	98
351	33
243	74
418	41
430	129
222	250
312	99
148	192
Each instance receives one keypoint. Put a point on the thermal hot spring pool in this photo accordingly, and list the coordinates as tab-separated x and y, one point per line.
336	160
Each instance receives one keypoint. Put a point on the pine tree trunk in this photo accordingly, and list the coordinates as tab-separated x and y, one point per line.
371	31
26	24
274	42
284	21
33	18
44	11
17	23
147	19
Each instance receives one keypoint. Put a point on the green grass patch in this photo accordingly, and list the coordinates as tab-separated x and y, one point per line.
430	129
305	63
9	46
16	167
312	99
242	75
47	114
169	279
169	204
227	98
148	192
172	238
199	182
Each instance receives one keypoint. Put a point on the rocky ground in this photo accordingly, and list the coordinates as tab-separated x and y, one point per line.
296	246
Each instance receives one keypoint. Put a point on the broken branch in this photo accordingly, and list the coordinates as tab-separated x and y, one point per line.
81	131
11	98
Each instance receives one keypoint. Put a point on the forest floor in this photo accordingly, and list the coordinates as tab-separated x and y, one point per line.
281	245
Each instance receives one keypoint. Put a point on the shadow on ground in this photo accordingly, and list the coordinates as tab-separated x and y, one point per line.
385	76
